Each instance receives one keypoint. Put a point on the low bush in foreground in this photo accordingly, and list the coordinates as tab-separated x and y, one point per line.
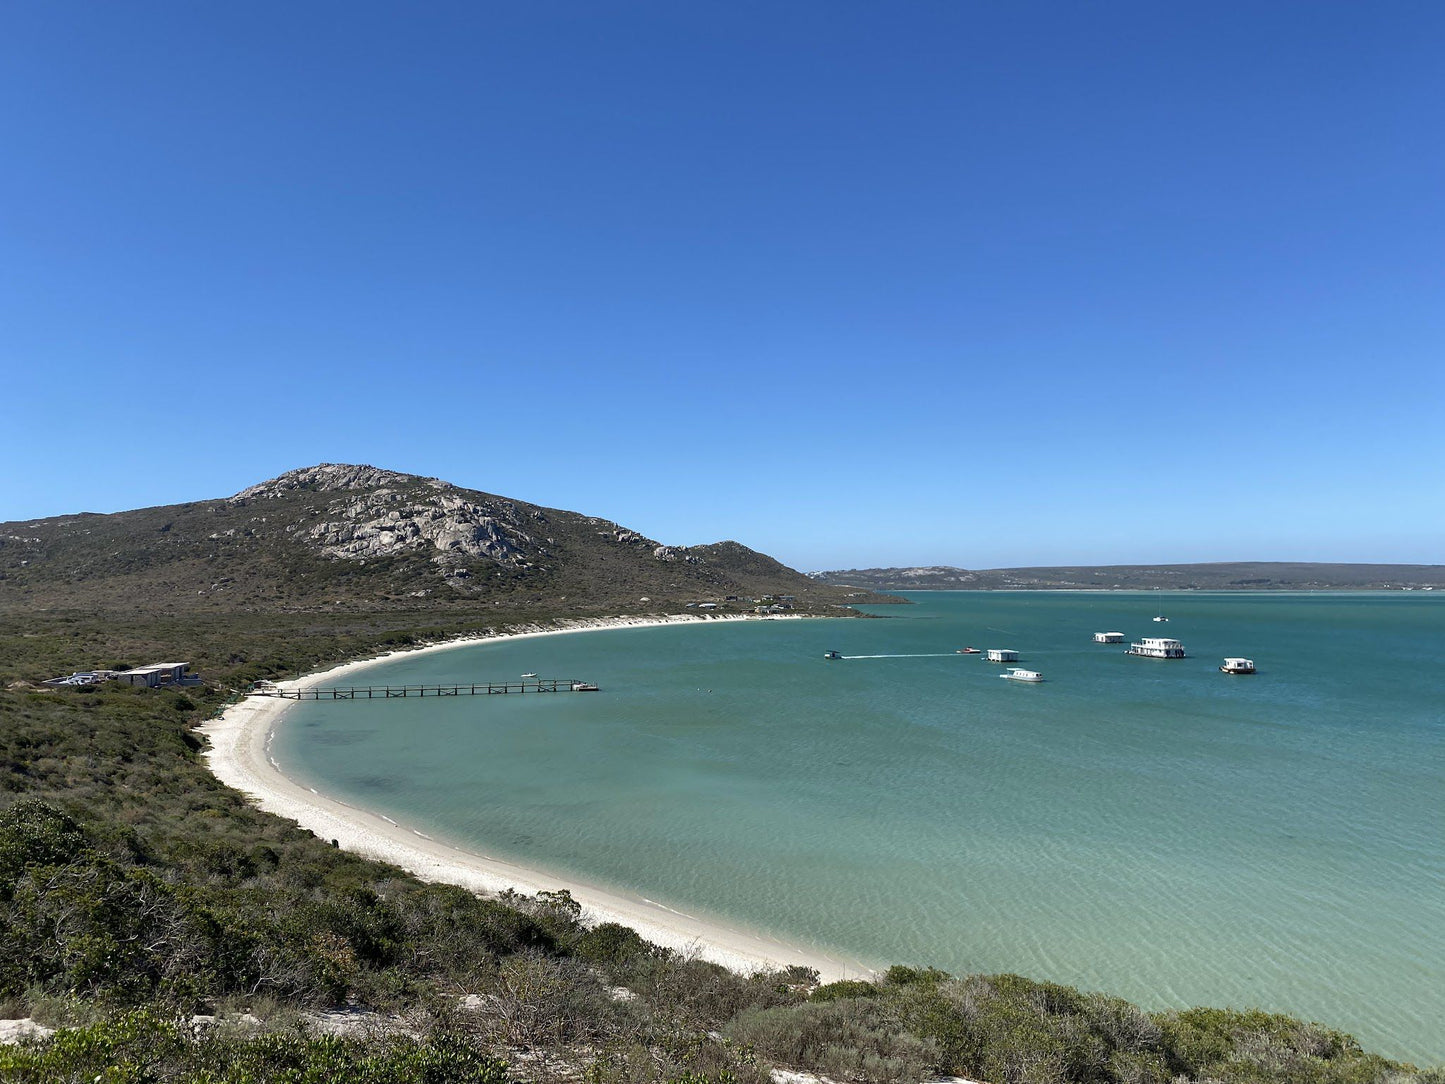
142	1048
1006	1029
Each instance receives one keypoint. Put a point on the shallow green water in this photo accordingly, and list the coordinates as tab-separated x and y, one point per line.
1151	828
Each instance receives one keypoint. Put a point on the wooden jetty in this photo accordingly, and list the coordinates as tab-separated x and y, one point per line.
388	692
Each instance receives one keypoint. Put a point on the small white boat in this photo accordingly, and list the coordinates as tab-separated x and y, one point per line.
831	655
583	687
1161	617
529	675
1237	666
1016	674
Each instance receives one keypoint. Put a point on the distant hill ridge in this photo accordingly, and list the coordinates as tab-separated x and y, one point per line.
1223	576
348	535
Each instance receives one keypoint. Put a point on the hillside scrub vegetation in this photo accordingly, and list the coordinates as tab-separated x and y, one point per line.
345	537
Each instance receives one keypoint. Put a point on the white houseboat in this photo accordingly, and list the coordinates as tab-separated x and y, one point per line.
1016	674
1238	666
1108	637
1154	647
1001	654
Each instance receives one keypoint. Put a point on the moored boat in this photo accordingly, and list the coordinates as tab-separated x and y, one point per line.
583	687
525	676
1237	666
1017	674
1155	647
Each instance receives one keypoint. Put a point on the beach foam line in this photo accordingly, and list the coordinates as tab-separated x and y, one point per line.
238	758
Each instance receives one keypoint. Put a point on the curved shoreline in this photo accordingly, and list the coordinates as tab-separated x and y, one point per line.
239	756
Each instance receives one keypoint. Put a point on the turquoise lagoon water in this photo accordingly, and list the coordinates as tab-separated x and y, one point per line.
1155	829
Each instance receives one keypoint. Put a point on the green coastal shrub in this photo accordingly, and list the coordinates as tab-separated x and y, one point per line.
143	1048
616	948
844	988
853	1039
898	975
1008	1028
35	833
1254	1046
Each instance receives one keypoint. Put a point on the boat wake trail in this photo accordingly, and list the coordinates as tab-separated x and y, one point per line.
931	655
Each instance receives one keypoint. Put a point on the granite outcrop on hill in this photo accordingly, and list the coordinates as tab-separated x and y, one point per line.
379	513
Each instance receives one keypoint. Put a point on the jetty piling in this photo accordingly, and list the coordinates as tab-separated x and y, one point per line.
389	692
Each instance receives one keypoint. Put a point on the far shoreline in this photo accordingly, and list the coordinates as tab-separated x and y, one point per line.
1231	591
239	756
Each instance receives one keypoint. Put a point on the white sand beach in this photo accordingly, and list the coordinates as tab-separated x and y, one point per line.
239	756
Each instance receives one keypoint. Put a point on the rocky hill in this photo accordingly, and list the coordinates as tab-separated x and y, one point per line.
342	536
1225	576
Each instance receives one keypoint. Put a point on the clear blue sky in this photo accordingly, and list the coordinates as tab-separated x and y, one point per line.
854	283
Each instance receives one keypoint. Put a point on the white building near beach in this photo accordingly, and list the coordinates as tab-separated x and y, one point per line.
157	675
